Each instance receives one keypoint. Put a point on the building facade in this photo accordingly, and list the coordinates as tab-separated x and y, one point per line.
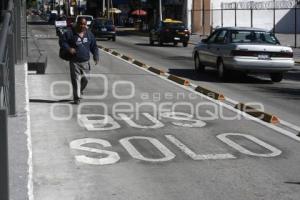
280	16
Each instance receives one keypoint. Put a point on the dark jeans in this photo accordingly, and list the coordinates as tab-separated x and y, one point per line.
78	77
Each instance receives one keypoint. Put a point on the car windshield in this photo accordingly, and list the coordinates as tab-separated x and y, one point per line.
241	36
173	25
103	22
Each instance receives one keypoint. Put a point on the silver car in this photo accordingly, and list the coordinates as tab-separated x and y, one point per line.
243	49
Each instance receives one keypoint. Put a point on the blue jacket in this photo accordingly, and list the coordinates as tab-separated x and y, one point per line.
83	46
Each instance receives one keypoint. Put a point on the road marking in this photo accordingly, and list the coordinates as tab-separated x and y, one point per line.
195	156
97	122
168	155
157	124
112	157
29	142
229	107
223	138
292	126
185	117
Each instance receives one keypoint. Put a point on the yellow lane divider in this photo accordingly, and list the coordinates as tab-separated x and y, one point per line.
210	93
139	63
115	53
156	71
257	113
126	58
179	80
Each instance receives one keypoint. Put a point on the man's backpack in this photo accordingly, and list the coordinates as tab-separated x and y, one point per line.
64	53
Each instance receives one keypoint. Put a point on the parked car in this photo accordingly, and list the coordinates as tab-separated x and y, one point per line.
89	19
170	31
103	28
52	18
61	25
249	50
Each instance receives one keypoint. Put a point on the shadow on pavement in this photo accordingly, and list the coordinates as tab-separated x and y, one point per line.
289	182
210	75
39	23
50	101
292	75
178	58
282	91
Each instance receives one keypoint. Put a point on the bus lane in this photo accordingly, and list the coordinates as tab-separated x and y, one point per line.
136	136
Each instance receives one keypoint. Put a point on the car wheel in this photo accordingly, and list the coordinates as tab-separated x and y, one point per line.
113	39
185	44
175	43
222	71
276	77
151	41
199	67
160	42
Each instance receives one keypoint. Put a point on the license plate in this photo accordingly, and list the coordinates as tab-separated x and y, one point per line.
263	57
176	38
181	33
103	29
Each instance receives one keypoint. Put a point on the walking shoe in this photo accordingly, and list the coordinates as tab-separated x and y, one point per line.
76	101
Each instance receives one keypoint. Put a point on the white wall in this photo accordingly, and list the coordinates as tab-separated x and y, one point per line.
284	19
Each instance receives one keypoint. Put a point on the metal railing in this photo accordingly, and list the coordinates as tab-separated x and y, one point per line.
10	52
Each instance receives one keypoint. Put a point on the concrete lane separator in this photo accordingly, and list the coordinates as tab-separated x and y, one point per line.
107	49
126	58
257	113
115	53
156	71
179	80
210	93
139	63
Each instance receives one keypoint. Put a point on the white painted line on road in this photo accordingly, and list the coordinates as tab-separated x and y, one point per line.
29	142
231	101
168	155
156	123
223	137
290	125
97	122
112	157
247	116
195	156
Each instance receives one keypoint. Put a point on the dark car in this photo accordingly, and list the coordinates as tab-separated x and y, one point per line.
170	31
103	28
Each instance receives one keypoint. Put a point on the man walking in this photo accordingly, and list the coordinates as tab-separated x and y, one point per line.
79	42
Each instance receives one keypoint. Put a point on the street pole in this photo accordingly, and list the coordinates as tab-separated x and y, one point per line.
160	11
103	8
295	23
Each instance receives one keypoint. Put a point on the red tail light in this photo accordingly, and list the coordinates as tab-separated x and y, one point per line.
283	54
113	28
187	31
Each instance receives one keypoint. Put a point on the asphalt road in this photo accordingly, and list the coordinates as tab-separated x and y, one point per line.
138	136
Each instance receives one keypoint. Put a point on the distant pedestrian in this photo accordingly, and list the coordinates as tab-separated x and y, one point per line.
79	42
